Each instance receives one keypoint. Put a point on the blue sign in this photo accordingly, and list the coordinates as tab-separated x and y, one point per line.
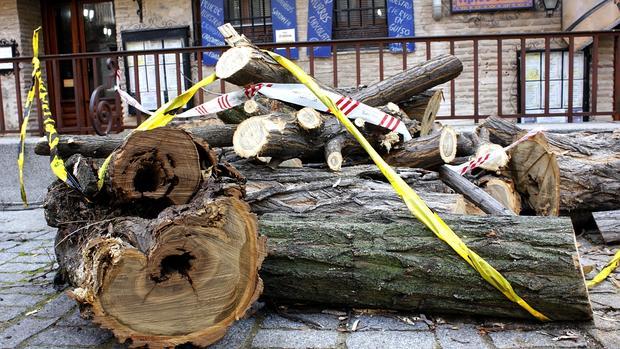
320	25
284	24
211	17
400	23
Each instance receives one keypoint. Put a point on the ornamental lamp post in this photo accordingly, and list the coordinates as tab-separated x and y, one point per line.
550	6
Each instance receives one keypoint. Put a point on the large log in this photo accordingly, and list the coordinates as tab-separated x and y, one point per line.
357	189
159	164
589	165
608	224
181	278
394	262
281	136
102	146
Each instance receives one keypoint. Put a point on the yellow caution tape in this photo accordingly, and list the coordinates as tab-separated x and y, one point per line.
611	266
161	117
415	204
56	163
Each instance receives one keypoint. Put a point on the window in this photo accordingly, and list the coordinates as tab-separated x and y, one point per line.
154	40
251	18
359	19
558	84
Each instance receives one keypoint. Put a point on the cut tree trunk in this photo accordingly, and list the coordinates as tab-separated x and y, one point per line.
102	146
358	189
473	193
281	136
589	165
181	278
608	224
159	164
425	152
395	262
503	190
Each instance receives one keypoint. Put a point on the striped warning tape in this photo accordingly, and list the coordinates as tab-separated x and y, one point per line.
49	125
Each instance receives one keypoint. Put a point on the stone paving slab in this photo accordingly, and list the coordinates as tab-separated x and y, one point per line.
35	315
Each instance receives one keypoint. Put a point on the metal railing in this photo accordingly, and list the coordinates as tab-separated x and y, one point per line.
491	75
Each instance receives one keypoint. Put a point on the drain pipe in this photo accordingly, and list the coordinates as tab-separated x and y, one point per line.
437	10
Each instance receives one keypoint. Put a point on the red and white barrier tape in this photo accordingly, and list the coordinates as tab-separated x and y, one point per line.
495	158
300	95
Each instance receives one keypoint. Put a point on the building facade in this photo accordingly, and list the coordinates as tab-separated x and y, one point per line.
88	26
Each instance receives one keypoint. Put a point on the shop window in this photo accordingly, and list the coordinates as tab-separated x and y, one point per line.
359	19
155	40
251	18
558	84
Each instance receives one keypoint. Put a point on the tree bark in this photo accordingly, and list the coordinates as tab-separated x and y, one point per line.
608	224
356	190
425	152
589	165
102	146
181	278
394	262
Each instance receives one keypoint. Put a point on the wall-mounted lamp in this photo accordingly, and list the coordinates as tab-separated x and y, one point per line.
550	6
139	12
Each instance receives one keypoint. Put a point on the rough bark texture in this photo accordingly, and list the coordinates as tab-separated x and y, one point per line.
425	152
589	165
608	224
358	189
479	197
102	146
397	263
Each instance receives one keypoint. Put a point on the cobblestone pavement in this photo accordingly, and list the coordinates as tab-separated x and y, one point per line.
35	315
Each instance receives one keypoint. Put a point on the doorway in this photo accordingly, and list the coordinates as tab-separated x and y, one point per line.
77	26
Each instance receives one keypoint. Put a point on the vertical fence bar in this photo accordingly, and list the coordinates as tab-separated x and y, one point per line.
177	60
2	122
77	82
571	64
547	67
157	79
595	57
335	64
57	94
476	82
18	93
428	50
96	77
616	101
404	48
452	96
136	79
381	61
522	77
499	77
199	68
358	68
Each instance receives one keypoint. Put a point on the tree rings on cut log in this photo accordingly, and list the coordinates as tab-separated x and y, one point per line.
430	113
536	175
245	65
309	118
162	163
185	278
502	190
447	144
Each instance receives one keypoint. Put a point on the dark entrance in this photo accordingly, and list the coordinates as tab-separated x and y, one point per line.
77	26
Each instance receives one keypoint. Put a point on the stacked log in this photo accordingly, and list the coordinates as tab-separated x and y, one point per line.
168	253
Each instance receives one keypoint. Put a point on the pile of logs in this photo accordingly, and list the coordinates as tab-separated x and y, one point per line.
192	221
